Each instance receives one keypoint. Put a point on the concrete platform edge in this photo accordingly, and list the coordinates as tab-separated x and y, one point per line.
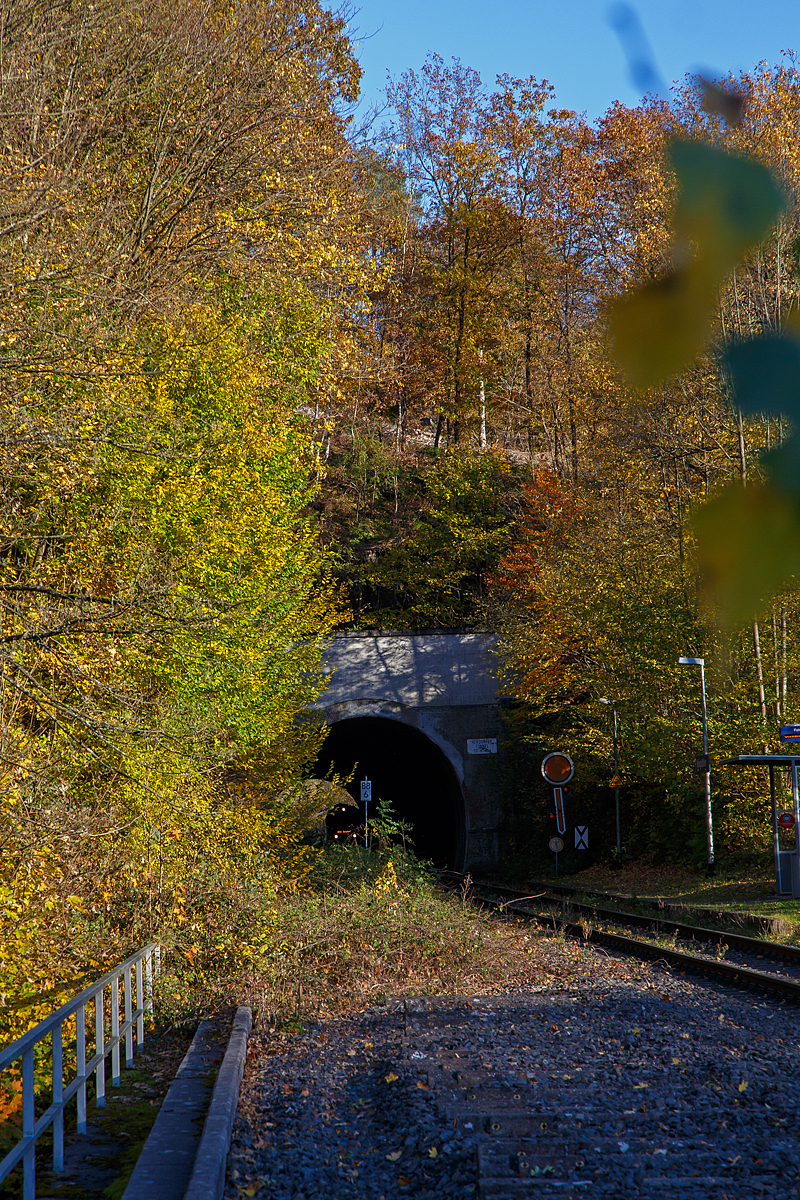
208	1175
164	1167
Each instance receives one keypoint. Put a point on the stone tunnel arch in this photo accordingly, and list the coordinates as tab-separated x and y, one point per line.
408	769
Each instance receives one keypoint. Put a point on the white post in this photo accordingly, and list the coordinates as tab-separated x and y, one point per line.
100	1048
115	1069
709	818
80	1034
140	1006
28	1127
128	1019
58	1098
148	984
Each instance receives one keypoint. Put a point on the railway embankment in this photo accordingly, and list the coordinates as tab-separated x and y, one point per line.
598	1074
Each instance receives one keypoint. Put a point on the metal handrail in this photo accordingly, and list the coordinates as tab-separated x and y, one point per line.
145	963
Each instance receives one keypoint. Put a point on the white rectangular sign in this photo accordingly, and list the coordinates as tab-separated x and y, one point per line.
581	837
481	745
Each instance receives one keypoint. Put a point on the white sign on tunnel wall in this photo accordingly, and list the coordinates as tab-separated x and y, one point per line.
481	745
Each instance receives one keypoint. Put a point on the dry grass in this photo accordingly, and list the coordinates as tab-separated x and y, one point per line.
378	926
642	878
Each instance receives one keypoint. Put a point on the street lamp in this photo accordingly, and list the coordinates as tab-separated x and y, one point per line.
701	663
613	703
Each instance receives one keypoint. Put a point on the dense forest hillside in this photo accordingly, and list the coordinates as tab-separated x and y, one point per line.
492	467
267	373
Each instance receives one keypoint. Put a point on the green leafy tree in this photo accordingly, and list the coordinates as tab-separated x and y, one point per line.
436	576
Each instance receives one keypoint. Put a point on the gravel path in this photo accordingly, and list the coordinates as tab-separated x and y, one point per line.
607	1077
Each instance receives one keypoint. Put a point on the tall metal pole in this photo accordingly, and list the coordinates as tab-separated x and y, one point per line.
613	703
709	818
616	784
776	838
701	663
795	859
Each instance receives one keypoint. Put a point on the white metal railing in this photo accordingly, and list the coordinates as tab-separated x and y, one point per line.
144	965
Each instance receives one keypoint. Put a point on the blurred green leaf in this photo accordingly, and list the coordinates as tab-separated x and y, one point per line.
749	544
765	374
658	330
782	466
765	378
726	205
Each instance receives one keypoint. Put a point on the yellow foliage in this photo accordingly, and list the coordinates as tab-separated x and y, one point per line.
387	882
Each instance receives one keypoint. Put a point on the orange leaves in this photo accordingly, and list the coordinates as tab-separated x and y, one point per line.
551	513
541	645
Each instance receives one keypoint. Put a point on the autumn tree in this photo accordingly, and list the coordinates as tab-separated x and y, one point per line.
463	236
181	232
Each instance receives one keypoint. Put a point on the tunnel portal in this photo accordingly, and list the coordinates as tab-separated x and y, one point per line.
408	770
421	715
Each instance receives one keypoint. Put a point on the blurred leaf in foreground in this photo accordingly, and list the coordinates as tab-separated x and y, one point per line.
749	538
749	544
765	375
725	206
662	327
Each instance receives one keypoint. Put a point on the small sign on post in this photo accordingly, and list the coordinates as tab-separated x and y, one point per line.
366	797
581	837
556	845
786	820
558	769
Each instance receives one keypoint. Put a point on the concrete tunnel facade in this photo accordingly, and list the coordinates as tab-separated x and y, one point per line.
421	715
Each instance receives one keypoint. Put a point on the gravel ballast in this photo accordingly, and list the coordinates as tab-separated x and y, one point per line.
603	1077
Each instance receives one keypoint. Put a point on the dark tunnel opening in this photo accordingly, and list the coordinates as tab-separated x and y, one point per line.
408	770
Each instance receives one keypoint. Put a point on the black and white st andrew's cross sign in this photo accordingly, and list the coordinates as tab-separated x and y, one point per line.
581	837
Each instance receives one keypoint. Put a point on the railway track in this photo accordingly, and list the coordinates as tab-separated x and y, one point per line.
528	1139
740	974
597	1076
666	908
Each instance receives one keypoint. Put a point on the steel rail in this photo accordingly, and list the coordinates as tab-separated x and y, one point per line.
695	963
698	933
662	903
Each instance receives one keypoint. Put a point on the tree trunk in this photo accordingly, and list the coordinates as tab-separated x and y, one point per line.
783	662
742	454
439	427
573	435
762	700
777	664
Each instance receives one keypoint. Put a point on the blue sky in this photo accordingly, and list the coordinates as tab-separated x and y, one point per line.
571	42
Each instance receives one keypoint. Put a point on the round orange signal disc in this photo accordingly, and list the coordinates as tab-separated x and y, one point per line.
558	768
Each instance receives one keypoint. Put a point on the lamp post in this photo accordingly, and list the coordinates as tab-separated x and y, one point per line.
701	663
613	703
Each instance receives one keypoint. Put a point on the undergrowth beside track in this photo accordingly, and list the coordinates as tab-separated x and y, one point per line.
371	925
